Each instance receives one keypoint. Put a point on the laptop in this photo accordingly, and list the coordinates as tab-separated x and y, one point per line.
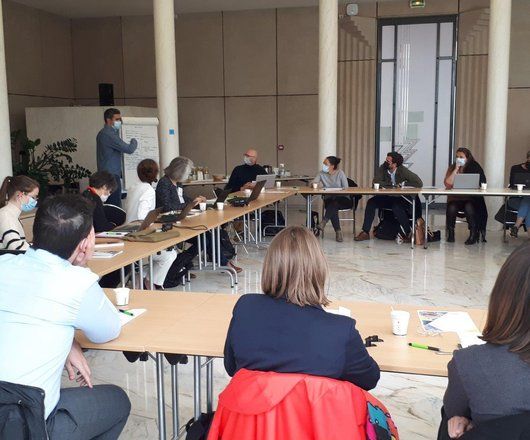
269	179
239	201
522	178
173	218
221	197
150	218
467	181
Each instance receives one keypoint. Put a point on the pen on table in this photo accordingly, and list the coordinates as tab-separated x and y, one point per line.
126	312
423	347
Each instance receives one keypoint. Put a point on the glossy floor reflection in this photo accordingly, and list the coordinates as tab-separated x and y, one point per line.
381	271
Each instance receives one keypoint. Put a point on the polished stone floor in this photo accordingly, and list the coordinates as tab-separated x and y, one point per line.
381	271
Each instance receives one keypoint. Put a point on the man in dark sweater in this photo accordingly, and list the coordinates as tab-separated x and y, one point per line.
243	175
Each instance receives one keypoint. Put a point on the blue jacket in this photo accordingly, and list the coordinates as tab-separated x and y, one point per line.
268	334
110	149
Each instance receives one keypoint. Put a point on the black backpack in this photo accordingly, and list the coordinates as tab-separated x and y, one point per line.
268	219
388	228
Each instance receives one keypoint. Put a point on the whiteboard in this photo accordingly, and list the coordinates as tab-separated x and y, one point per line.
145	131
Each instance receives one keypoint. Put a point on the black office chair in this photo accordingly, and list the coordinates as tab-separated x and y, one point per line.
355	202
22	412
115	214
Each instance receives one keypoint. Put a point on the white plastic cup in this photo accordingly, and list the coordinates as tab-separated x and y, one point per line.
520	186
278	184
376	186
314	185
122	296
202	206
248	192
400	322
220	206
483	186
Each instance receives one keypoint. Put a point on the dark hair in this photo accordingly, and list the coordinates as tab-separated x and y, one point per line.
101	179
147	170
467	153
61	223
109	113
333	160
11	185
396	158
508	321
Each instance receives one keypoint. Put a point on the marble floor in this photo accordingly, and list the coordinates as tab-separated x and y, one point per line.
381	271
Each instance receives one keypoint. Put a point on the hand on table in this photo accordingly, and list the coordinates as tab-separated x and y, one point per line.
457	426
248	185
76	361
199	199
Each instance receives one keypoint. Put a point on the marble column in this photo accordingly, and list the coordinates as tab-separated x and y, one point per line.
6	166
327	78
166	80
497	92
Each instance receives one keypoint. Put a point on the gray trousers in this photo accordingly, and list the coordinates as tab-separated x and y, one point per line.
84	414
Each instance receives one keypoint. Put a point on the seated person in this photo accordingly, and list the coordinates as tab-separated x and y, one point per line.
287	330
332	177
243	175
520	168
47	293
515	203
170	197
100	186
493	380
392	173
474	207
18	194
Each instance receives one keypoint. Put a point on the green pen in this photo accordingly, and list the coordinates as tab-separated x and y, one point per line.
126	312
423	347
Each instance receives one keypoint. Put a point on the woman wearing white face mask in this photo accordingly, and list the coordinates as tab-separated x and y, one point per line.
100	186
18	194
474	207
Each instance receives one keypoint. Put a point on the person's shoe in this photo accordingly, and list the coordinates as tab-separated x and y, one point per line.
338	236
473	237
192	276
362	236
450	235
322	225
406	238
236	268
514	231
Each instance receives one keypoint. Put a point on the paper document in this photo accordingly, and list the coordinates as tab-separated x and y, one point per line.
469	338
443	321
125	318
340	311
112	234
101	255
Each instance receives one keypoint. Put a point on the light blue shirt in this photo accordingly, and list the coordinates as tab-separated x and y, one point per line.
43	299
393	177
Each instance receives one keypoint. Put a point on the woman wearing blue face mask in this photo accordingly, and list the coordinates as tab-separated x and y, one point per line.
332	177
474	207
100	186
18	194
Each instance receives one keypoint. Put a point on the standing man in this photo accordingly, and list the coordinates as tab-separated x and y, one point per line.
110	149
243	175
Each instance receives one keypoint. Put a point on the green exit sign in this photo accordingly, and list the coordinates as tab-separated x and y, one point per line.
417	3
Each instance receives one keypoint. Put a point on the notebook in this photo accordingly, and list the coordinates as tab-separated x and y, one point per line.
103	255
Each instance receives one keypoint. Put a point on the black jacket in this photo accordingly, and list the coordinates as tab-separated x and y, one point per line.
268	334
517	169
100	221
243	174
167	196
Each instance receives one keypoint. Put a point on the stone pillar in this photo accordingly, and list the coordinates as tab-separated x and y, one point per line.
6	165
327	78
166	79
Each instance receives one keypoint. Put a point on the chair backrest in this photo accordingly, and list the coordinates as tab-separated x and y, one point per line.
115	214
268	405
21	412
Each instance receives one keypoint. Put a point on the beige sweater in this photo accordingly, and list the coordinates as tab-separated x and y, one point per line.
12	234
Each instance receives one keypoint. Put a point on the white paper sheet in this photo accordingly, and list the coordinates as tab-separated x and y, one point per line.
125	319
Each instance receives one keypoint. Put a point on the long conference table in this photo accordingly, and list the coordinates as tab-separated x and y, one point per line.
196	324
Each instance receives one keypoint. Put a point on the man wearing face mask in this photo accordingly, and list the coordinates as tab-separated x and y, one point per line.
243	175
110	149
100	186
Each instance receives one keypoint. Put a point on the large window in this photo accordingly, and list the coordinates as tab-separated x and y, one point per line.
416	92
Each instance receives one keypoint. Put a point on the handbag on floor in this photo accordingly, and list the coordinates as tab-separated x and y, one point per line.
198	429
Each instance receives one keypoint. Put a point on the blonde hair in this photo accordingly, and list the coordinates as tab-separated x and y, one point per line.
295	268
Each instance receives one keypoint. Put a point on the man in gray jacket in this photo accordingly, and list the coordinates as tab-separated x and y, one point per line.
391	173
110	149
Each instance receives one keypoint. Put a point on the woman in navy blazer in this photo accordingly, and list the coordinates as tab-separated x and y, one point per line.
287	330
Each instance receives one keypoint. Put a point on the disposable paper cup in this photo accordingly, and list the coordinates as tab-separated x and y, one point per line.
278	184
220	206
248	192
202	206
262	190
122	296
376	185
520	186
483	186
400	322
314	185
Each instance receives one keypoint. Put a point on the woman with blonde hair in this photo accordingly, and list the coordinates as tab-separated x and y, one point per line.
287	330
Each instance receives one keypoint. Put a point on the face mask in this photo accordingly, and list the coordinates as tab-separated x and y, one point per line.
29	205
386	165
104	197
460	161
116	125
325	168
247	160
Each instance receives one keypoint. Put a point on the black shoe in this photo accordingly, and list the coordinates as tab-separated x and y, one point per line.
473	237
514	231
450	235
483	236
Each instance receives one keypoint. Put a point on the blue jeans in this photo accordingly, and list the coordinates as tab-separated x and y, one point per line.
524	210
83	413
